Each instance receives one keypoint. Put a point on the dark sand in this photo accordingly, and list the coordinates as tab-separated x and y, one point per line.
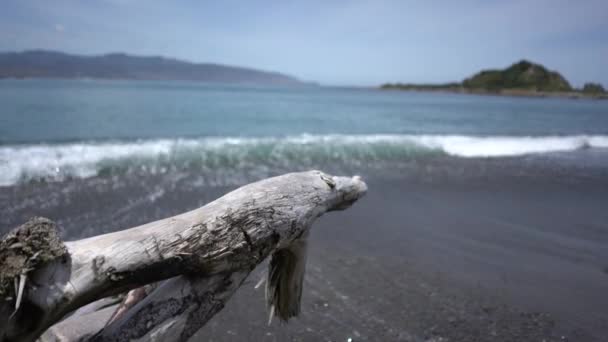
495	250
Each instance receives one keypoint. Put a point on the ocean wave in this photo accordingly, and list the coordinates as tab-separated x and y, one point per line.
59	161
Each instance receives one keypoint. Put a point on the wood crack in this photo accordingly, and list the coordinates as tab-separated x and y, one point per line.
198	259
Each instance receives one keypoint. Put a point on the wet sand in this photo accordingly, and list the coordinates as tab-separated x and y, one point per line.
512	250
415	262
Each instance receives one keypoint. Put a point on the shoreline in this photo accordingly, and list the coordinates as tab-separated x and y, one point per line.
502	93
446	249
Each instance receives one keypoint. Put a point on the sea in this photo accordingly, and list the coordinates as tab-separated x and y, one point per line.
485	217
52	130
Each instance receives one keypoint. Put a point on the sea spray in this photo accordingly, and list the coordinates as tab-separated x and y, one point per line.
19	163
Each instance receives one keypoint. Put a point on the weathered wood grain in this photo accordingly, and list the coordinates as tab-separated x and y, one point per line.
207	252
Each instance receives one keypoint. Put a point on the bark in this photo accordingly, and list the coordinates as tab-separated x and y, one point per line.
207	253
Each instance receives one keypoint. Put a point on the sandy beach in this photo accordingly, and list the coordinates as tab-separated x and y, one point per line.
480	130
511	249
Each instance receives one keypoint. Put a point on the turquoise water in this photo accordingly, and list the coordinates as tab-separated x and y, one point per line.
56	111
52	129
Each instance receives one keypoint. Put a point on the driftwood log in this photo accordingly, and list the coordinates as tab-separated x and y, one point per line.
180	271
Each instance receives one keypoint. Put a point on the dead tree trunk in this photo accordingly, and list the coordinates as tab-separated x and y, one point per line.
207	253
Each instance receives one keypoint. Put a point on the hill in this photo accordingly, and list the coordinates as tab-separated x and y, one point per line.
52	64
523	75
523	78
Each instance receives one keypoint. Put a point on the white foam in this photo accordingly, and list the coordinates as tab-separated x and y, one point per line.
468	146
79	159
56	161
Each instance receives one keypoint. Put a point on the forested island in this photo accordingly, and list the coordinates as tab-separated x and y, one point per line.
523	78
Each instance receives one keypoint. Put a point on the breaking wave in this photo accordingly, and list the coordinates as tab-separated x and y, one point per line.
19	163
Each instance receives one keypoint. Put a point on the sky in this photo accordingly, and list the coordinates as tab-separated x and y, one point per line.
333	42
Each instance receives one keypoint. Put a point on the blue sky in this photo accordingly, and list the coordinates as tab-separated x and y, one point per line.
332	42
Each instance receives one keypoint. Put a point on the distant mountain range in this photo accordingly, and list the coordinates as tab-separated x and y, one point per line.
523	78
52	64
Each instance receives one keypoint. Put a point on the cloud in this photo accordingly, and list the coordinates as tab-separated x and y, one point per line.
59	28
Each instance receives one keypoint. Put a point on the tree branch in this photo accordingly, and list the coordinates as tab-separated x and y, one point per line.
212	249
